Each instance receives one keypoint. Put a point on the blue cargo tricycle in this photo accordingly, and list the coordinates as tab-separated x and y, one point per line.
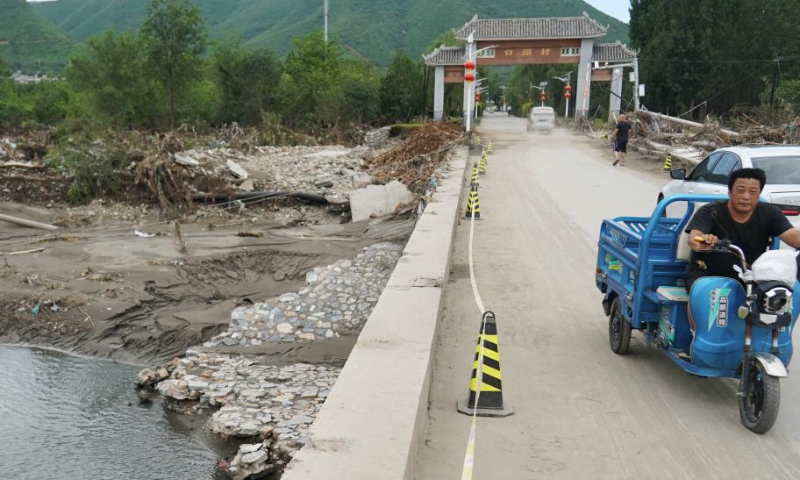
743	329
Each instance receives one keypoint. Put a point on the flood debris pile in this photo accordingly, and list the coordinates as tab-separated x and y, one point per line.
306	168
181	172
336	299
414	162
692	141
270	407
29	146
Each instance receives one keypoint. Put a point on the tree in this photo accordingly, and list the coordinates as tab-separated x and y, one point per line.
401	95
361	85
310	93
245	79
108	71
715	55
175	38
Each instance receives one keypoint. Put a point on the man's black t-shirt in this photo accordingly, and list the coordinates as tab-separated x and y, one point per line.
623	130
752	237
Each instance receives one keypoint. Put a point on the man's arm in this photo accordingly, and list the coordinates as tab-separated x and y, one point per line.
614	133
791	237
708	241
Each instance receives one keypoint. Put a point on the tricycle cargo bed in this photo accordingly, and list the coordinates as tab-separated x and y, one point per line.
620	265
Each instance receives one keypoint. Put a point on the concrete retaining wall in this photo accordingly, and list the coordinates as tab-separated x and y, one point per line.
371	423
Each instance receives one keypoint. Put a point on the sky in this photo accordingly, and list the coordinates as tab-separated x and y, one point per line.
615	8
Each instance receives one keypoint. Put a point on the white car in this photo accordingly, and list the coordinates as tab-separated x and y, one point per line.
541	118
710	177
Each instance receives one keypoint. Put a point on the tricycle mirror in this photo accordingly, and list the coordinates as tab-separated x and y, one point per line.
678	174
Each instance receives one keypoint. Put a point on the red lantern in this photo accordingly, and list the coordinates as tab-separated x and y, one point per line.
469	65
567	92
568	88
477	96
542	98
469	77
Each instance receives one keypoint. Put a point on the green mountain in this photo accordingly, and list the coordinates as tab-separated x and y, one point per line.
374	29
30	42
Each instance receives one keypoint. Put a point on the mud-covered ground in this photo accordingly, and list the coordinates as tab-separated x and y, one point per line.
95	287
117	280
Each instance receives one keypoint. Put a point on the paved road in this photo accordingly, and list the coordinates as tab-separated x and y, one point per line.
581	411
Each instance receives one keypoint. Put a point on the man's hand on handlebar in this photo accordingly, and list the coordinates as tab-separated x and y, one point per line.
705	242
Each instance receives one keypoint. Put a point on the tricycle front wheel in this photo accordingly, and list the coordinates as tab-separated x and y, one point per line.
758	406
619	330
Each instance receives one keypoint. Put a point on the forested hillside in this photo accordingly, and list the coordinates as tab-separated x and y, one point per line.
372	29
30	42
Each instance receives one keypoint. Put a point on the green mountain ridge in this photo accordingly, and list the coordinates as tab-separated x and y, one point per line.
374	29
30	42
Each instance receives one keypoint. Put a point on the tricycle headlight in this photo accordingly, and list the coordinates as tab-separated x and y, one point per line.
777	300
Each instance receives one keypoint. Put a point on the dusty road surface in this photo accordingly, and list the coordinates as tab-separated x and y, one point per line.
581	411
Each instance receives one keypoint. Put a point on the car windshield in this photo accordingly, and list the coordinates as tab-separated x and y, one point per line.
784	170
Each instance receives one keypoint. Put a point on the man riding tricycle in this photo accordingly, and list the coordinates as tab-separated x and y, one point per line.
711	289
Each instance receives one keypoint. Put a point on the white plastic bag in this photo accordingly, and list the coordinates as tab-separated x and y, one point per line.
778	265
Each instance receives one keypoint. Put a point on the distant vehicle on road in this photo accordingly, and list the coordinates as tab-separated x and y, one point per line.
710	177
541	119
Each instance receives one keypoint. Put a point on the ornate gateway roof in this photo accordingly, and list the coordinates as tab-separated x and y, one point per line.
445	56
532	28
613	52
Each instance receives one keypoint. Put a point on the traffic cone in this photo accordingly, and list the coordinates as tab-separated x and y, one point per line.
484	162
475	176
473	206
668	163
490	148
490	400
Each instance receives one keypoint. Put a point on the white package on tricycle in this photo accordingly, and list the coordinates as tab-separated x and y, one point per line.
779	265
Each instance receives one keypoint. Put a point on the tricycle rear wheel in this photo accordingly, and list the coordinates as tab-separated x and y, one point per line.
619	330
758	406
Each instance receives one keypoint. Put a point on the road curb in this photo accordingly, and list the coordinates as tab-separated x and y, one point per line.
370	426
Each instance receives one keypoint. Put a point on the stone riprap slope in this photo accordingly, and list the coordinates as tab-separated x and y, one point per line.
337	299
273	406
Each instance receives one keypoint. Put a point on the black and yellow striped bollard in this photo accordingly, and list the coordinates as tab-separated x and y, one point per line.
473	204
668	163
475	176
484	162
489	403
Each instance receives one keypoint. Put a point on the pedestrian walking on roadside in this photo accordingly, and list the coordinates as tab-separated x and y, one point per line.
620	136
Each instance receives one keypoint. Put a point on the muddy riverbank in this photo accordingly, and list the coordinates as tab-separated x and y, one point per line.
118	295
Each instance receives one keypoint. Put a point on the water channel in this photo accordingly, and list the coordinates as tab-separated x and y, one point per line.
73	418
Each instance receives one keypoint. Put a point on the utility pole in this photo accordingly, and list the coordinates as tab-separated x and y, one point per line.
636	84
325	7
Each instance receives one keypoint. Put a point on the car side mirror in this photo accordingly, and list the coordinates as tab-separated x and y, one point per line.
678	174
